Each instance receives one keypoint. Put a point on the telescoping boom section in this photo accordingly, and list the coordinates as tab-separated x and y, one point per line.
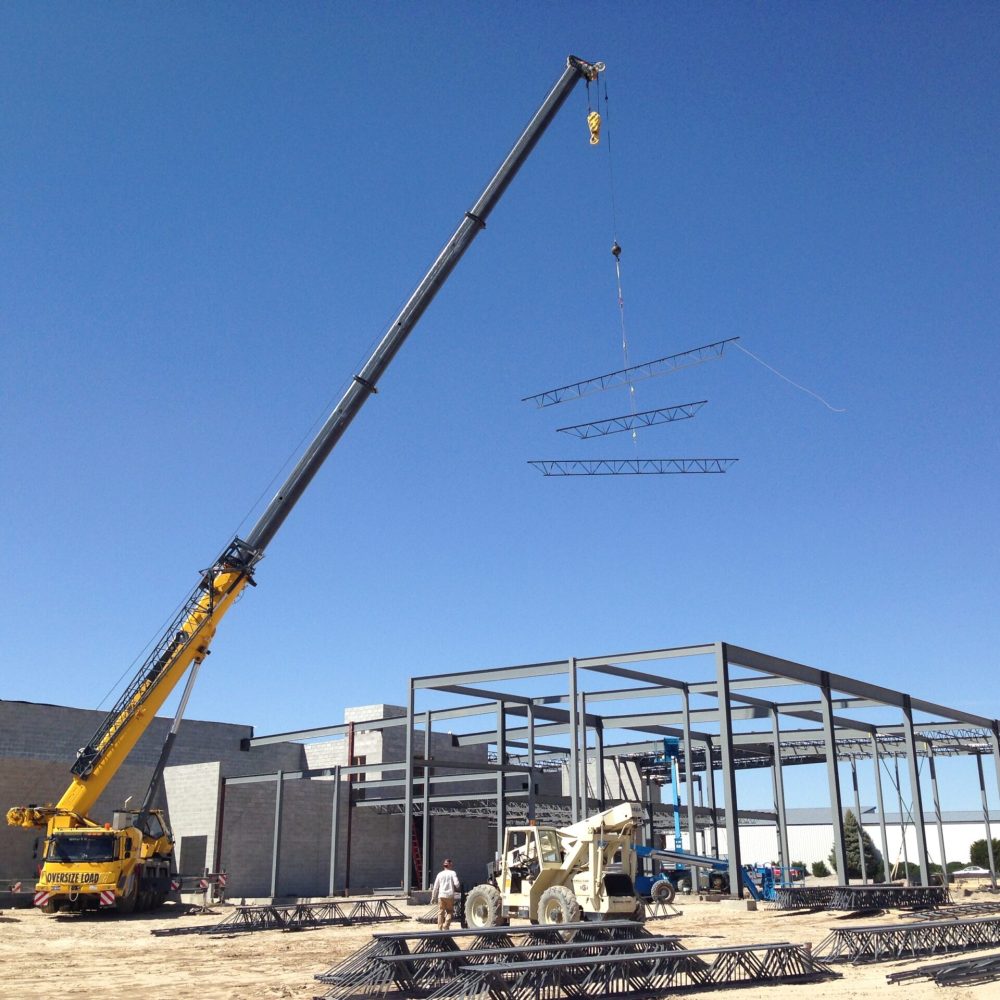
185	642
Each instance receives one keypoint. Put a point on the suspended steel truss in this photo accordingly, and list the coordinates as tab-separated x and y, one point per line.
633	421
631	466
626	376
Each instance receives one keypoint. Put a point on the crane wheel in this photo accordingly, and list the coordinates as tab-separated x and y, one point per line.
558	905
129	896
663	891
484	907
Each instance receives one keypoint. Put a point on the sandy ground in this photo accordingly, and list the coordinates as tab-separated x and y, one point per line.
106	956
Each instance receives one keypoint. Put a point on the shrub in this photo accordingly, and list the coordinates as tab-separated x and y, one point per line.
819	869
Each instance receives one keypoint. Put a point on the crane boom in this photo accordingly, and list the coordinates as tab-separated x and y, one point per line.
186	640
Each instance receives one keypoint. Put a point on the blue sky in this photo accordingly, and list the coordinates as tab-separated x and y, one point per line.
210	212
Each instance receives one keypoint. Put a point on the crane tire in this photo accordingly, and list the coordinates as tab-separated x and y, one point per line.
558	905
718	882
484	907
663	891
130	895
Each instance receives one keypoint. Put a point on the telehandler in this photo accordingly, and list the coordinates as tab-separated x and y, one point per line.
557	876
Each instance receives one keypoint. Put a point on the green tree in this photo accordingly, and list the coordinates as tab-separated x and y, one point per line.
856	839
819	869
978	855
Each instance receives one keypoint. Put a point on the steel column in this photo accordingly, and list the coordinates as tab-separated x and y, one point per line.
531	760
599	743
902	824
916	794
334	831
688	767
574	757
857	816
425	840
937	813
585	765
778	782
833	778
986	821
710	788
728	771
881	808
276	842
501	775
408	798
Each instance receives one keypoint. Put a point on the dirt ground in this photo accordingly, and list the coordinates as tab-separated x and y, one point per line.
107	956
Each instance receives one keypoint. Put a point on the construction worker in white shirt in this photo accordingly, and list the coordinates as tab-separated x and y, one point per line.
446	887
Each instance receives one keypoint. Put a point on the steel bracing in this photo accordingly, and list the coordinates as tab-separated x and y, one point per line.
888	897
888	941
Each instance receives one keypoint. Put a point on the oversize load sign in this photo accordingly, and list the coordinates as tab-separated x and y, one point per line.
86	878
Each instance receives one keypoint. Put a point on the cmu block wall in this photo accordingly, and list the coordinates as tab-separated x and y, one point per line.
38	745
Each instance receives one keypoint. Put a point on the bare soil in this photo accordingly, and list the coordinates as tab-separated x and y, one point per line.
103	956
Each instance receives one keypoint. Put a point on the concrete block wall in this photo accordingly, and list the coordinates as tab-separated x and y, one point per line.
193	792
38	745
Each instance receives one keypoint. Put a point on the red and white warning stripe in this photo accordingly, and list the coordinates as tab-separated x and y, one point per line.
42	897
175	884
16	887
222	880
107	897
203	884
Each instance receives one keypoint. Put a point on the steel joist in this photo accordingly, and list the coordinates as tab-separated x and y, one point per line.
650	973
888	941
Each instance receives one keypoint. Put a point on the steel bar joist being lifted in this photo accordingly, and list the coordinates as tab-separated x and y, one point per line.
626	376
632	421
631	466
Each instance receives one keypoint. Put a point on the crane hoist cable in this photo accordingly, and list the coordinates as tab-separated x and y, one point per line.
616	252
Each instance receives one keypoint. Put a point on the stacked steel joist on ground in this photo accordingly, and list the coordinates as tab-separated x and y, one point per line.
887	941
613	959
967	972
294	917
860	897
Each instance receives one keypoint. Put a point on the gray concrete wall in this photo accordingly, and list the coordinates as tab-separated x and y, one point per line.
38	745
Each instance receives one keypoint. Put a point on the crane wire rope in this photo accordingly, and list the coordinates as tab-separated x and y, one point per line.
616	250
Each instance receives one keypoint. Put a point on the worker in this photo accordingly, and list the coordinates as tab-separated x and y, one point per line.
446	888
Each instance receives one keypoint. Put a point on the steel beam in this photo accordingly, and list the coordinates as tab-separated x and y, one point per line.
945	877
407	881
779	798
334	832
276	840
881	809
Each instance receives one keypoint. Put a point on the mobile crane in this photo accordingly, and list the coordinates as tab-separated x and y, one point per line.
127	864
556	876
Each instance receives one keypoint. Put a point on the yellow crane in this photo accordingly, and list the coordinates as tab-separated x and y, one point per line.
127	864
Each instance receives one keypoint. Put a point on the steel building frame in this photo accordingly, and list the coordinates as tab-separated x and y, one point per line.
762	711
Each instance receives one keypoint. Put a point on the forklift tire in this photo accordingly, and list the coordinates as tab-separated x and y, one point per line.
663	891
484	907
558	905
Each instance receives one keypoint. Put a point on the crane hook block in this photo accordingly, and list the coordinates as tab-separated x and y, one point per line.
594	124
616	250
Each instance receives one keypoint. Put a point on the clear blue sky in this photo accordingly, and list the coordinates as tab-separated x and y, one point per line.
209	213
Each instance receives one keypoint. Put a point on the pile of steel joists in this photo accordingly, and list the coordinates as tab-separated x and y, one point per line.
958	911
294	917
579	960
888	897
967	972
802	897
887	941
432	957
